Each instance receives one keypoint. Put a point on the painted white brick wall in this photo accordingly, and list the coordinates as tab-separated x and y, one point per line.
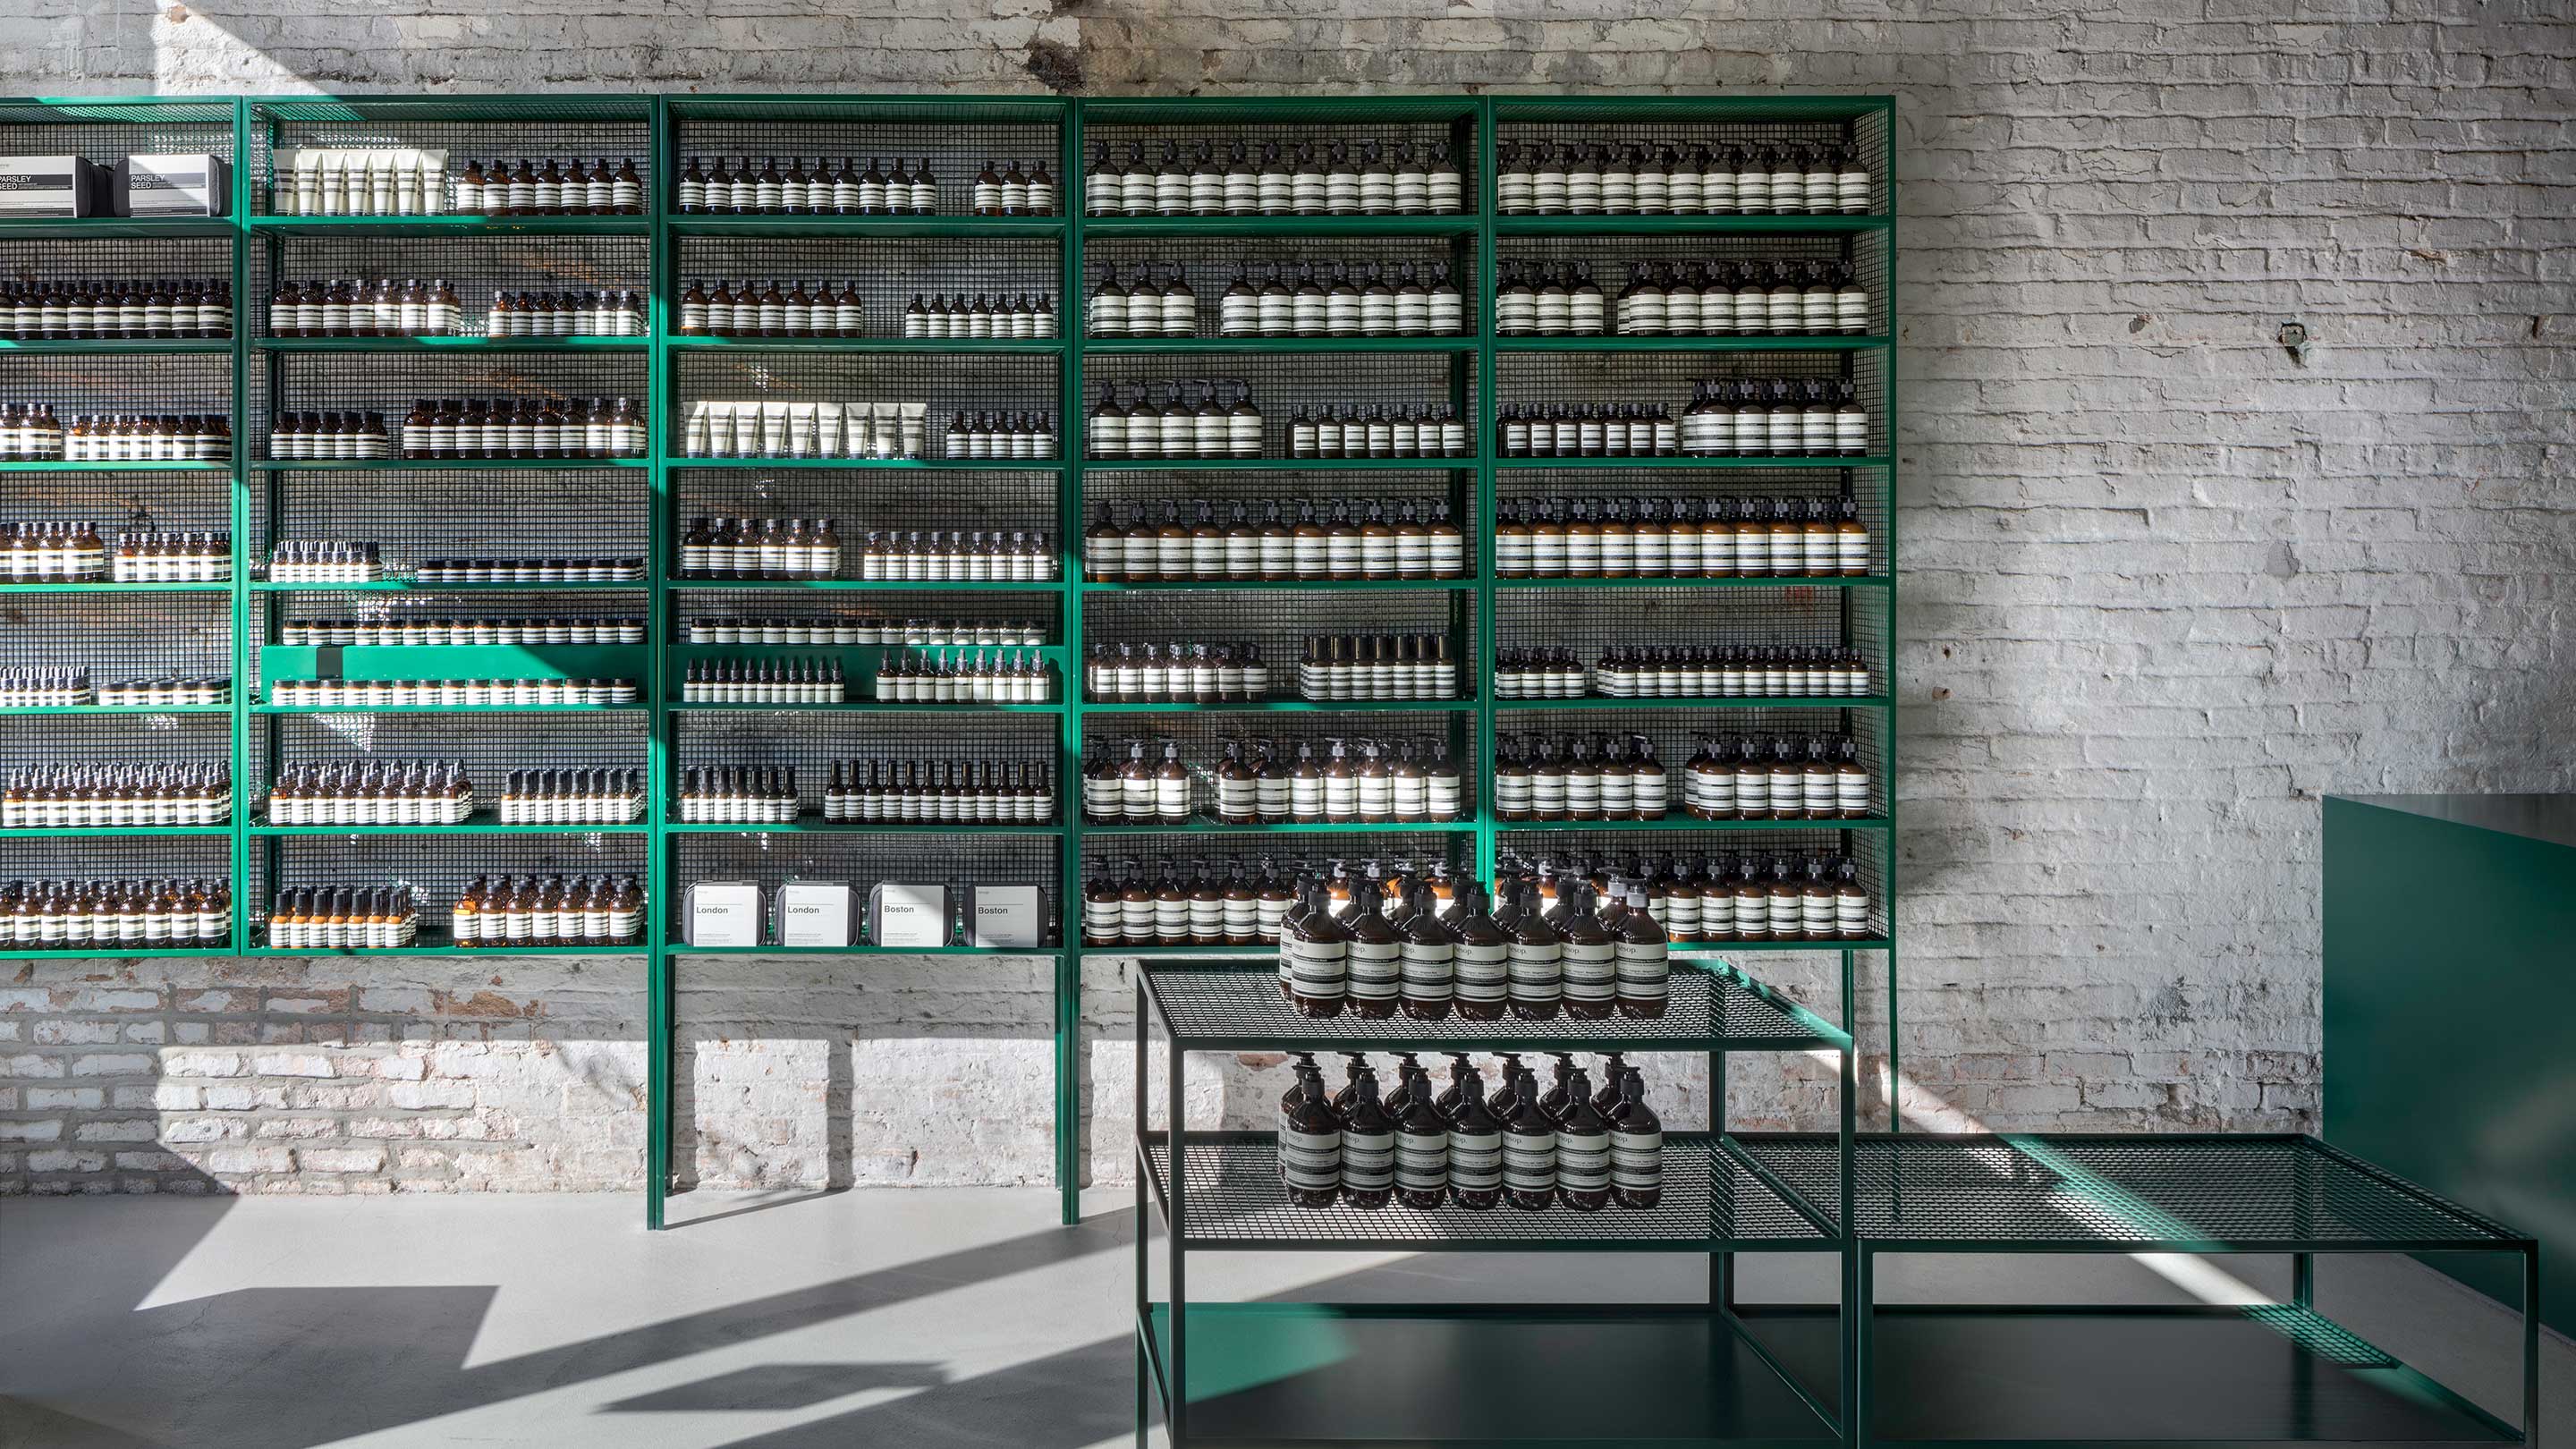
2164	585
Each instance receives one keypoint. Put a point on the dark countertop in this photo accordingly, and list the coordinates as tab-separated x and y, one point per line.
2551	818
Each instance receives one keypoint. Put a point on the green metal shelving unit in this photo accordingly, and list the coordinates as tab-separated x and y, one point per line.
1311	1373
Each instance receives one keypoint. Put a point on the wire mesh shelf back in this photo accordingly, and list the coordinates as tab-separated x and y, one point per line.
106	132
178	384
457	514
113	636
144	738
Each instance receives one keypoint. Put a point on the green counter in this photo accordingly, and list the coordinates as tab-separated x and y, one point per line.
2450	1008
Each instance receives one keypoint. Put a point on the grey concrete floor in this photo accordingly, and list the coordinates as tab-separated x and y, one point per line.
937	1318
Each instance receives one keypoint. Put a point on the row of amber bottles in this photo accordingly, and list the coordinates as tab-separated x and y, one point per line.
507	427
1585	954
116	308
486	693
1148	673
550	910
1611	777
1614	538
565	188
1182	903
827	309
1735	671
978	791
90	797
344	918
1300	178
1182	419
1738	298
1579	777
1353	668
30	432
372	792
767	548
1290	539
72	552
417	631
1656	178
363	307
864	629
1327	299
1402	781
1726	897
76	914
593	570
763	681
1421	1148
1001	676
718	185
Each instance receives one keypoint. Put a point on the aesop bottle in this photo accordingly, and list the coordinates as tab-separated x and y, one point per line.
1529	1149
1374	957
1310	1144
1537	962
1421	1147
1314	952
1590	959
1475	1145
1636	1146
1645	959
1429	955
1368	1148
1583	1149
1482	958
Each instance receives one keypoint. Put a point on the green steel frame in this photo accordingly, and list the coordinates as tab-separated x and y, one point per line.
256	124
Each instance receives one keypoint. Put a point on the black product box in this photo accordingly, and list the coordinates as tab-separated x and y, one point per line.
38	186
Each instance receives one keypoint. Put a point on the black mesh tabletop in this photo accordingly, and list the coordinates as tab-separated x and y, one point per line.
1234	1007
1233	1198
2123	1193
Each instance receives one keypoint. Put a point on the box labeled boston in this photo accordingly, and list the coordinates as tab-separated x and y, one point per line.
52	186
173	184
1006	917
816	913
721	913
907	915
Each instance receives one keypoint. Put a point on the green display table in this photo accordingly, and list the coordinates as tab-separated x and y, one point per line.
2433	903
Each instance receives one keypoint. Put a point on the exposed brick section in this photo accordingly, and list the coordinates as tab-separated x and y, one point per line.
2164	585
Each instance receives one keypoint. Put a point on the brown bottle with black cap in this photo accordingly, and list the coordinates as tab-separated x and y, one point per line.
1314	956
1475	1142
1481	960
1583	1149
1537	957
1429	955
1374	957
1310	1142
1590	957
1529	1148
1636	1146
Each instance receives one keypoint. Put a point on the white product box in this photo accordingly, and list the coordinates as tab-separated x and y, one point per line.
815	913
173	184
723	913
1006	916
52	186
908	915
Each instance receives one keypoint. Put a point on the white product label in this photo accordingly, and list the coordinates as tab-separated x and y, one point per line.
1368	1161
1309	1161
1475	1161
1637	1161
1591	970
1483	973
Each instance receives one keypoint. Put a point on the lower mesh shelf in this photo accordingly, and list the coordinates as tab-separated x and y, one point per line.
1232	1195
